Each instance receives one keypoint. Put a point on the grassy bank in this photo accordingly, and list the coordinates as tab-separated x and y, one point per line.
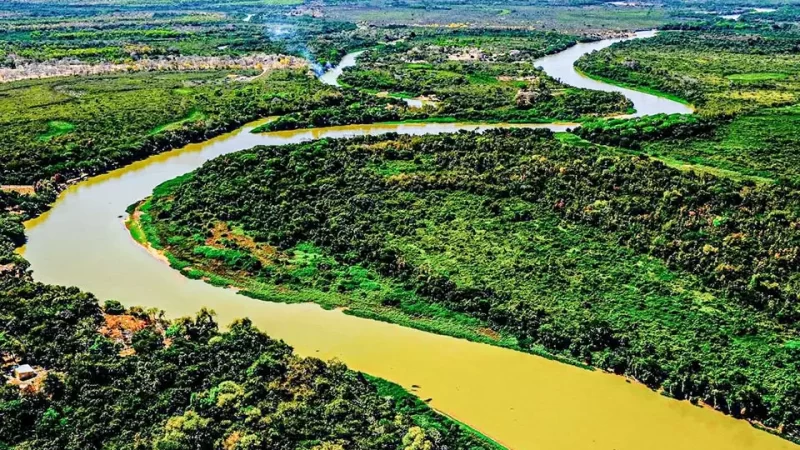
635	87
365	304
142	230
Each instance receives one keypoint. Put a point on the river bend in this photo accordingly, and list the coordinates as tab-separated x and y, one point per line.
522	401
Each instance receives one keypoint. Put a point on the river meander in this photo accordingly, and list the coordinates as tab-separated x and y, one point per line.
522	401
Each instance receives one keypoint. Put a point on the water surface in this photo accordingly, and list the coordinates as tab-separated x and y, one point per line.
331	77
561	66
520	400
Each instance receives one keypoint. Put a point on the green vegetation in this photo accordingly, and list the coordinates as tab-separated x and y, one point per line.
92	35
720	71
761	144
758	76
481	75
750	124
478	74
127	379
640	88
574	16
56	128
346	108
680	280
631	133
678	270
92	124
194	116
131	32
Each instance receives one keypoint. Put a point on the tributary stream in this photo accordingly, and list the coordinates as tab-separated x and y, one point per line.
521	400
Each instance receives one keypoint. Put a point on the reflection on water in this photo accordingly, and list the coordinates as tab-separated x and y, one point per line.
523	401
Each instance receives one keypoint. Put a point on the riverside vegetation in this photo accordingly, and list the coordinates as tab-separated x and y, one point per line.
117	378
682	281
92	124
744	82
183	384
478	74
71	125
679	278
77	125
111	377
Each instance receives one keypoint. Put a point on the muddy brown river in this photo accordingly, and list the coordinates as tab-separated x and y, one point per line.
520	400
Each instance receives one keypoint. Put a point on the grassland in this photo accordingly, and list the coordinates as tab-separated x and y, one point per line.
194	116
719	71
56	128
762	144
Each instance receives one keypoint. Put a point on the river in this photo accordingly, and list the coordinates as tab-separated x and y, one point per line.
522	401
560	66
331	77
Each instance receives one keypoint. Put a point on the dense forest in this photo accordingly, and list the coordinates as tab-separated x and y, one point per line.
128	379
115	378
663	248
683	281
631	133
111	377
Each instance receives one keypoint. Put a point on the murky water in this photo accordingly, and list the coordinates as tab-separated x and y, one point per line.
521	400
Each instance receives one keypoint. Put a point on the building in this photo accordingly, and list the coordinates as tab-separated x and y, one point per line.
24	372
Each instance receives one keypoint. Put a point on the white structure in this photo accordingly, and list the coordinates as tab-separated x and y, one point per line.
24	372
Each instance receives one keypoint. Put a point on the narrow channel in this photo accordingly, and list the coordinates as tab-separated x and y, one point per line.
522	401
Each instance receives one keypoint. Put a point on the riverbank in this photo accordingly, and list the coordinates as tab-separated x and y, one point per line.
526	394
140	226
634	87
307	294
265	128
527	402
